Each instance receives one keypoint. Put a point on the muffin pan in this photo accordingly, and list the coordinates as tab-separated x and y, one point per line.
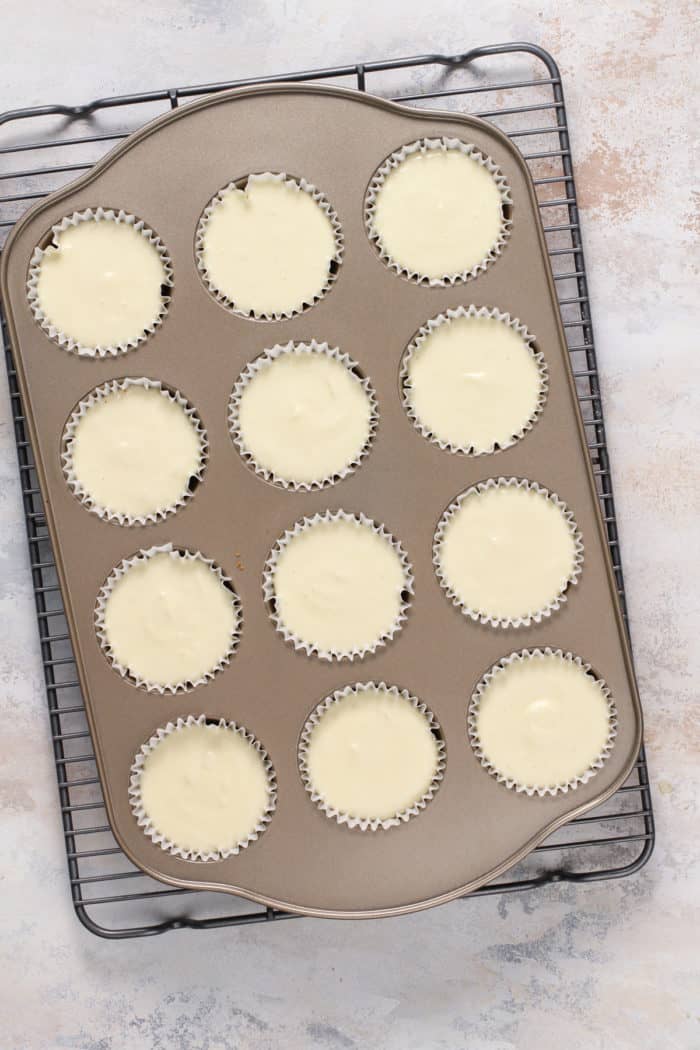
475	827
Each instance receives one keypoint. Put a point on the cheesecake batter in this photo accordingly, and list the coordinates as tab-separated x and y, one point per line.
101	283
338	586
169	619
372	754
205	788
438	213
304	416
134	451
507	552
473	383
268	247
542	721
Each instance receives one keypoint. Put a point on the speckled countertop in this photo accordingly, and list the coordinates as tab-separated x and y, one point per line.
611	965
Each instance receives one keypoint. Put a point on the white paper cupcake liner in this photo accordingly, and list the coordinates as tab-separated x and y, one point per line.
117	573
421	146
310	648
370	823
508	621
446	318
144	820
530	789
299	184
67	342
101	393
262	362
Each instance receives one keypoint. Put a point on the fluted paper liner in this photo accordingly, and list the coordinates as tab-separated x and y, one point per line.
101	393
258	365
421	146
508	621
144	820
269	586
303	187
118	572
540	789
371	823
446	318
67	342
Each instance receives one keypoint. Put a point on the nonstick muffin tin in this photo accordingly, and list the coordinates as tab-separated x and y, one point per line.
474	828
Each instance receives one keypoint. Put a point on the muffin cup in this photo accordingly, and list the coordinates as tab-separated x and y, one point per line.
257	366
117	573
370	823
451	315
67	342
529	789
422	146
508	621
269	586
144	821
299	184
100	393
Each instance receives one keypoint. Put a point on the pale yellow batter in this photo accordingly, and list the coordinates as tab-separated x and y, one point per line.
542	721
507	552
205	788
169	619
134	451
101	283
304	416
268	248
438	213
473	383
338	586
372	754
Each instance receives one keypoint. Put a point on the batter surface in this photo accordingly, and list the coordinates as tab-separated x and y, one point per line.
507	552
135	450
438	213
473	383
372	754
268	247
205	788
304	416
169	619
338	586
542	721
101	283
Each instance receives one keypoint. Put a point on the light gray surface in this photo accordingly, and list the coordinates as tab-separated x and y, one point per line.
611	965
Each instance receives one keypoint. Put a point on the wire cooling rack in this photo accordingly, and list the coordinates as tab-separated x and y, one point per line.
518	88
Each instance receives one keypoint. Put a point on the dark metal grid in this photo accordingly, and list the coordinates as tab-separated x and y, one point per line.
111	897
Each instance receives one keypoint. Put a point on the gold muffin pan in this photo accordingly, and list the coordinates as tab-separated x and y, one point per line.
166	173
